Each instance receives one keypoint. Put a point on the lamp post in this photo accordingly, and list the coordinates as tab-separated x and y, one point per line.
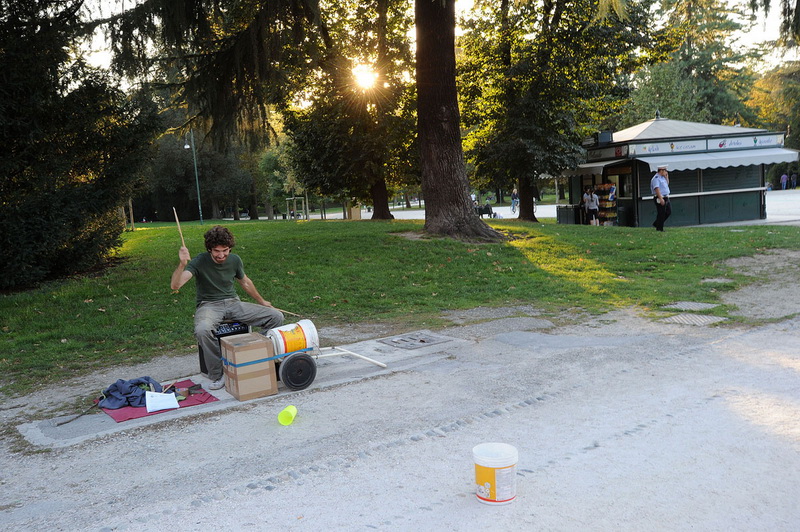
196	176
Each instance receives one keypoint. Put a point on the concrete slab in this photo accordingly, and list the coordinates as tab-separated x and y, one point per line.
693	319
331	372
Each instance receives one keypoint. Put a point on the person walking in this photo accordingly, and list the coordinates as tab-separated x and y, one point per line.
214	272
659	186
784	181
514	200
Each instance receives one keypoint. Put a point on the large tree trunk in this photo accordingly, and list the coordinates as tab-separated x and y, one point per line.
268	206
252	210
444	179
380	201
527	193
377	189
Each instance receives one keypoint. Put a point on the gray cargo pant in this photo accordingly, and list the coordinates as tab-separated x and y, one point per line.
208	316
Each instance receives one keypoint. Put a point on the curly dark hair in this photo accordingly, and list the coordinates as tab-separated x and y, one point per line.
219	236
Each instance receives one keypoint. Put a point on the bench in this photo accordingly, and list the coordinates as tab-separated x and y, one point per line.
480	210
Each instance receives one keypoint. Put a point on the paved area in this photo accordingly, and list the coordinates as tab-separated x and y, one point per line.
622	423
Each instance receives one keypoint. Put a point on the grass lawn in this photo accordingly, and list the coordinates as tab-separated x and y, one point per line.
339	272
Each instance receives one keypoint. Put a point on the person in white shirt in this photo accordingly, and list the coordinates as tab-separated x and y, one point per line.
592	205
659	186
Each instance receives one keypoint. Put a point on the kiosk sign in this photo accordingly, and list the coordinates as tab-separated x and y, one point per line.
607	153
752	141
662	148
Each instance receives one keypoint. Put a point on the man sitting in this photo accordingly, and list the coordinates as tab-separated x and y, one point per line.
217	301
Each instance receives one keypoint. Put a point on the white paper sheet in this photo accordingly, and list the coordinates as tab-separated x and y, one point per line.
160	401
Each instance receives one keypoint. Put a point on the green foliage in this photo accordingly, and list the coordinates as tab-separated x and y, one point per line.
237	59
535	79
338	273
775	100
71	143
663	87
227	178
340	154
320	152
242	59
276	177
350	137
703	79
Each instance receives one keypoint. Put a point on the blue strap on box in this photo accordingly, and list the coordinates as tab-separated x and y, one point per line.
226	362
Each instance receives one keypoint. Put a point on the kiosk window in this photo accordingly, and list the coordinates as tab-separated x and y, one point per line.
624	184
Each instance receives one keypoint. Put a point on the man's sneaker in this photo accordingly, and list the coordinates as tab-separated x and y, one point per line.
217	384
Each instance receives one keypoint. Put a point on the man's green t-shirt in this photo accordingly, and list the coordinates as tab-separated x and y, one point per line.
214	281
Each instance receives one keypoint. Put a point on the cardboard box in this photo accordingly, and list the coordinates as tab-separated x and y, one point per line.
247	372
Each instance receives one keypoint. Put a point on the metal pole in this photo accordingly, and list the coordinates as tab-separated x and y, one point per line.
196	177
342	351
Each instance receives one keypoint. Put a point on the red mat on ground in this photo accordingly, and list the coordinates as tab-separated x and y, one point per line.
132	412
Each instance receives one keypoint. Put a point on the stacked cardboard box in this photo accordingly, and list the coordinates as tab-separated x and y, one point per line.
248	373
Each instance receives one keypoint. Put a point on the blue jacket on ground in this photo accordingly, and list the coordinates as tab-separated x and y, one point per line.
127	393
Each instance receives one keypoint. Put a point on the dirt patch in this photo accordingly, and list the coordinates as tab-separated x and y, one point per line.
412	235
775	294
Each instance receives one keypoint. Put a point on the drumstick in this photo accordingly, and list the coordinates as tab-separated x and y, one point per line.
287	312
179	226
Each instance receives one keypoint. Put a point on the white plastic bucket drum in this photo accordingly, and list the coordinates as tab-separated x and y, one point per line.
495	472
294	337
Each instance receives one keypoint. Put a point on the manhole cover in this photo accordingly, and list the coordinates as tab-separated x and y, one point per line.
691	305
414	340
693	319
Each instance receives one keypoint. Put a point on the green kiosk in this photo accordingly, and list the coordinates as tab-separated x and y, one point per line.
716	172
